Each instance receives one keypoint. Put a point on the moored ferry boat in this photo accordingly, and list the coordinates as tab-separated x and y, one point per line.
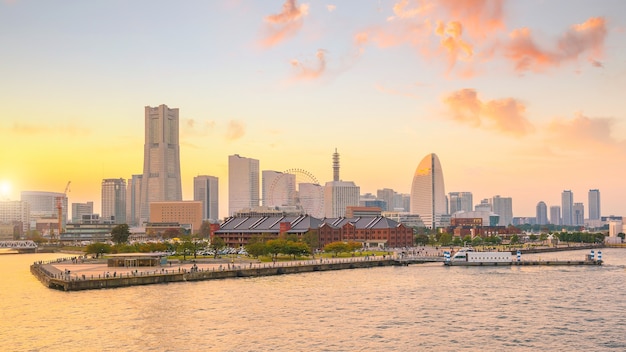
467	256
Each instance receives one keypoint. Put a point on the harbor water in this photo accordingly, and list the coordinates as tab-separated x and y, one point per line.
416	308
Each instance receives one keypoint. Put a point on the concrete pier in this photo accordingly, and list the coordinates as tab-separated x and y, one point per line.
51	276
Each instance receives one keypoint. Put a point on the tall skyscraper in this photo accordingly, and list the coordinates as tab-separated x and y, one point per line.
503	206
460	201
338	195
542	213
161	159
567	202
114	200
133	200
428	195
205	190
278	188
578	214
243	183
594	204
555	215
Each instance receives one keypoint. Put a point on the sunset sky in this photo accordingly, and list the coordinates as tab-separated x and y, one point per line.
521	99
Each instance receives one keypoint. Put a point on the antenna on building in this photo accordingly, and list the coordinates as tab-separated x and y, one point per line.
335	165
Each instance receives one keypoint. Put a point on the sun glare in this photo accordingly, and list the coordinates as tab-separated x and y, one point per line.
5	189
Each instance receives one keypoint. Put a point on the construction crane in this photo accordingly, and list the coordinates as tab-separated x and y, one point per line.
60	210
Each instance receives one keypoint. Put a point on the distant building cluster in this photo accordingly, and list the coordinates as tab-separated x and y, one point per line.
333	210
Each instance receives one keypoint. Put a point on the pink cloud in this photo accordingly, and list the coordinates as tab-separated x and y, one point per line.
306	72
235	130
581	39
480	17
503	115
285	24
583	132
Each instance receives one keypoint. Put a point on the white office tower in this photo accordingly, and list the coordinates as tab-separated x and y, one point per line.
133	200
243	183
161	159
460	201
278	188
594	204
567	203
503	206
205	190
43	205
114	200
338	195
428	195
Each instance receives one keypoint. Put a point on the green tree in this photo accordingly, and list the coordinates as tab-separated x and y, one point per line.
621	235
532	237
311	238
457	241
354	246
36	237
205	229
477	241
421	239
120	233
296	249
187	246
274	247
98	249
217	243
445	239
514	239
336	248
256	249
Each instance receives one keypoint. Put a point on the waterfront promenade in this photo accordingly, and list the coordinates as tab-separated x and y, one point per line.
79	273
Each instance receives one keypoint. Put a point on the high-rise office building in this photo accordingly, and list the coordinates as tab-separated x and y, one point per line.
15	212
542	213
43	205
205	190
278	188
503	206
428	195
243	183
460	201
555	215
133	200
578	214
81	209
161	159
388	196
311	197
567	202
338	195
114	200
594	204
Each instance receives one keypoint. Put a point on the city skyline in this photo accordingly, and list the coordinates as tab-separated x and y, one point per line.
514	100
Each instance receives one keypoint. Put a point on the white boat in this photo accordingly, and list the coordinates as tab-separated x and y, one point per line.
467	256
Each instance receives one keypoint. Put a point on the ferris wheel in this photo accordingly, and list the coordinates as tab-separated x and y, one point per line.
297	187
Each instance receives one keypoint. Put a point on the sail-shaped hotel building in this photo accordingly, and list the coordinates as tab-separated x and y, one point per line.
428	195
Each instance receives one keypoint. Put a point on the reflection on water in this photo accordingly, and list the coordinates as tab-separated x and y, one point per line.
420	307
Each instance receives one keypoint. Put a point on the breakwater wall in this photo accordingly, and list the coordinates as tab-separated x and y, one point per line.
66	282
